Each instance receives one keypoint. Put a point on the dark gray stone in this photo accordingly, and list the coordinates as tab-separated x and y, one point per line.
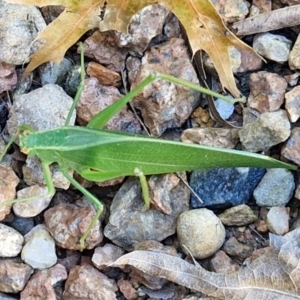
221	188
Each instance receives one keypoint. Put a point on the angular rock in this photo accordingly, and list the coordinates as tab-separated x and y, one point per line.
224	108
215	137
232	10
86	282
46	256
273	47
163	104
8	77
278	220
222	263
11	241
201	231
106	255
129	221
291	149
28	109
234	248
292	103
275	189
8	183
20	25
269	129
294	57
32	208
68	222
266	91
221	188
13	275
95	97
47	279
238	216
104	75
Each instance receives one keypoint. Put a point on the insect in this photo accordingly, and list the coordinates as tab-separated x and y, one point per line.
99	155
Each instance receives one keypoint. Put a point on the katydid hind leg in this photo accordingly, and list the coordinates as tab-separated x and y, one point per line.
92	199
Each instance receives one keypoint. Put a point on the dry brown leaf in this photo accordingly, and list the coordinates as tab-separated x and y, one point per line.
276	19
204	27
274	275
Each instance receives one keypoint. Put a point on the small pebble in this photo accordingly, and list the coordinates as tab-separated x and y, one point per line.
201	231
11	241
273	47
278	220
238	216
45	257
275	189
28	209
224	108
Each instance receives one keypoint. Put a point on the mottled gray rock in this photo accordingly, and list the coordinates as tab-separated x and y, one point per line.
275	189
20	25
163	104
86	282
269	129
13	275
45	257
42	284
11	241
238	216
30	109
201	231
273	47
145	26
220	188
278	220
232	10
129	221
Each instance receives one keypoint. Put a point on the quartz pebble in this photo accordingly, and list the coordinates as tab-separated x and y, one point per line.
278	220
46	256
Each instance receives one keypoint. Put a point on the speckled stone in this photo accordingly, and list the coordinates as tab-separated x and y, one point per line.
225	187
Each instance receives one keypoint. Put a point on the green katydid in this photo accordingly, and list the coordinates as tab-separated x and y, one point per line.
99	155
